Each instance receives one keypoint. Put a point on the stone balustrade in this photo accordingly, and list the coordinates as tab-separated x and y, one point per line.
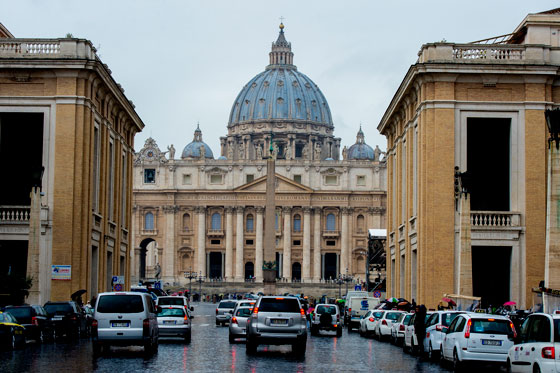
495	219
47	48
14	214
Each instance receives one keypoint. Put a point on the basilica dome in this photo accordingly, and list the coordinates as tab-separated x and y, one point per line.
360	150
281	92
197	146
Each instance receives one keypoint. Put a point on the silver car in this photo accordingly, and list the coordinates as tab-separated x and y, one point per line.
277	321
224	311
238	323
174	321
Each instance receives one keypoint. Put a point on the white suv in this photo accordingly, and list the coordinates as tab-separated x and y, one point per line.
539	345
478	337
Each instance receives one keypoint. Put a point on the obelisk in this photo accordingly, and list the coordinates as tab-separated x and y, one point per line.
269	257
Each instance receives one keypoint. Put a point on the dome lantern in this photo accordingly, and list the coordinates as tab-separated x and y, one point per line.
281	53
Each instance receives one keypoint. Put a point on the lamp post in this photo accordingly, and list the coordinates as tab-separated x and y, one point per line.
190	275
200	281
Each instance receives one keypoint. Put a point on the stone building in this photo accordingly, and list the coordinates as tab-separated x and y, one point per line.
471	116
67	135
206	215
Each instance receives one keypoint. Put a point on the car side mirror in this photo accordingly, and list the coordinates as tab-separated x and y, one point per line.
192	308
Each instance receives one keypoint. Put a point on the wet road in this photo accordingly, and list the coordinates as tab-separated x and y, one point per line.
210	351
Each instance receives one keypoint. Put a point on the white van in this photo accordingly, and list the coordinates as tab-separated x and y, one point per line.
357	308
350	294
125	319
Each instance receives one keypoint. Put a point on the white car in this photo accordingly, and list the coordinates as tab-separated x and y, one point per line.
410	341
436	326
478	337
367	323
385	322
238	324
539	347
398	327
174	321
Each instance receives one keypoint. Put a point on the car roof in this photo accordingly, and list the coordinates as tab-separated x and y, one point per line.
474	315
173	306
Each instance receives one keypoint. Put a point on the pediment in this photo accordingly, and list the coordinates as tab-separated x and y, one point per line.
283	184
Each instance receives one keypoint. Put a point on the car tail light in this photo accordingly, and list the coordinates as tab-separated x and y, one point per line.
186	320
34	321
146	327
73	318
216	311
439	328
94	328
255	310
513	329
371	319
302	311
428	335
349	311
468	329
548	353
234	320
401	328
384	322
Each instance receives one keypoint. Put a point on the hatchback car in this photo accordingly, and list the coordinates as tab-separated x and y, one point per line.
238	324
35	320
12	334
367	323
67	318
277	321
410	341
125	319
478	337
174	321
175	301
224	311
383	325
398	327
326	317
436	326
538	348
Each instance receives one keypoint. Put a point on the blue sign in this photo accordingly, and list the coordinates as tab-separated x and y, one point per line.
377	294
118	287
357	287
365	305
157	285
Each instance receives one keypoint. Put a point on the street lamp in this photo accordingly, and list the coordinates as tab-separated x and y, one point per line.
190	275
200	281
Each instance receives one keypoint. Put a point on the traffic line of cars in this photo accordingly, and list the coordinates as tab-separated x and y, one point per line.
461	338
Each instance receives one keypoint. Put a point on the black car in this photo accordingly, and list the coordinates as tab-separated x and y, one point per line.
34	318
67	318
12	335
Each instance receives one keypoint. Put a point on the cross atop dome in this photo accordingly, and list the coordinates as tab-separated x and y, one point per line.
281	53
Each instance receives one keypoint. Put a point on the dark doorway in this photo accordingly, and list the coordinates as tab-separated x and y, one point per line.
249	270
14	257
330	266
215	265
491	267
488	162
143	250
21	153
296	271
277	263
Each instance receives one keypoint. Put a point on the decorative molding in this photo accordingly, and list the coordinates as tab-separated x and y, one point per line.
229	209
260	209
170	209
306	209
286	209
239	209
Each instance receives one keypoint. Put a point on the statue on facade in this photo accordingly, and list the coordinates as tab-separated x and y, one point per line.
202	152
241	151
275	150
288	152
305	152
230	152
344	153
377	153
259	151
171	149
157	271
317	151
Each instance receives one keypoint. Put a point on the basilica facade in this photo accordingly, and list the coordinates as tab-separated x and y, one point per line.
202	214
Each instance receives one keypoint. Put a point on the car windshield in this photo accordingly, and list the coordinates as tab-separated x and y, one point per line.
279	305
171	302
243	304
406	318
5	317
19	311
58	308
326	309
171	312
447	318
244	312
377	314
227	304
120	304
556	330
392	316
491	326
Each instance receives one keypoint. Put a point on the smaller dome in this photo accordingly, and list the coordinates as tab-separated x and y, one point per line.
222	158
194	149
360	150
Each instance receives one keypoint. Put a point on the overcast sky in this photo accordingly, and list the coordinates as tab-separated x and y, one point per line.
183	62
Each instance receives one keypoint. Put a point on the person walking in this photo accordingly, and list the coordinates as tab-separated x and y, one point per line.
420	327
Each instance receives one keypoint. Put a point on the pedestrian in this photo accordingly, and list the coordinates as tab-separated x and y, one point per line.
420	327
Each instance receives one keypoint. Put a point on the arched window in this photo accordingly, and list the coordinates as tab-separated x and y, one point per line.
297	223
249	223
186	222
149	221
331	222
276	222
361	223
216	221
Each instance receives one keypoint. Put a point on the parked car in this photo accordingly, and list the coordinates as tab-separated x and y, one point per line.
173	321
277	321
175	301
67	318
125	319
357	307
436	327
224	311
238	324
384	323
12	334
326	317
398	328
537	348
410	341
478	337
35	320
367	323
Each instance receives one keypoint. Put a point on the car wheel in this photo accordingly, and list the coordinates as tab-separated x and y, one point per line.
298	348
251	346
231	339
13	342
148	348
508	366
431	353
217	323
97	348
536	369
457	365
339	331
188	337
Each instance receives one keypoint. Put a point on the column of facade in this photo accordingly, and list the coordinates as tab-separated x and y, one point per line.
239	244
349	241
344	241
259	245
317	266
287	257
229	243
166	263
201	239
306	265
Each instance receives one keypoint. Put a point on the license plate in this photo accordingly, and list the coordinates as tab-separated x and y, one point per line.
119	324
279	322
169	322
491	342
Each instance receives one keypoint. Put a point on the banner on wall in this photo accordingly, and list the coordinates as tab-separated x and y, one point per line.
61	272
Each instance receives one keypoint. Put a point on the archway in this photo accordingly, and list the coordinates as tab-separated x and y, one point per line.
143	257
296	271
249	270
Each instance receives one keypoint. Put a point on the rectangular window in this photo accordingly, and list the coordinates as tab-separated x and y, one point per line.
249	242
186	179
124	193
149	176
111	190
96	175
331	180
296	243
297	178
331	243
361	180
216	179
249	178
215	242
